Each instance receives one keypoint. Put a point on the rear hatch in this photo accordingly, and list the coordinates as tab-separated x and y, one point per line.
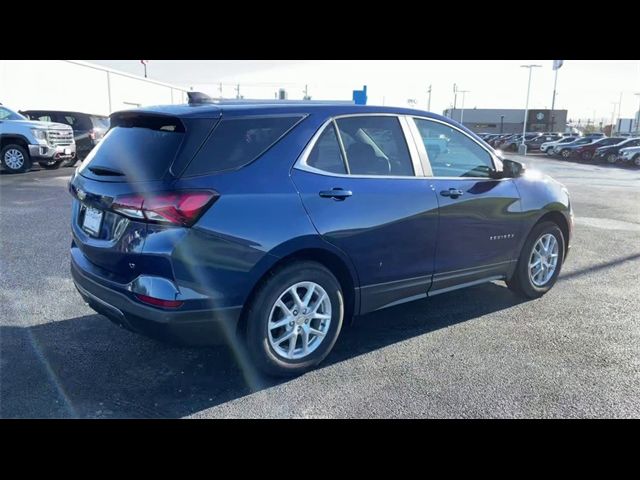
132	163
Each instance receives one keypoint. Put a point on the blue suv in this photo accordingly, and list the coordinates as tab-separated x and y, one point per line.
267	226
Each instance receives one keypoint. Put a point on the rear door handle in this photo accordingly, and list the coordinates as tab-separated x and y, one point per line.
452	192
336	193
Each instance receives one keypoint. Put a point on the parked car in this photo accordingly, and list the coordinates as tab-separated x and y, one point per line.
508	139
630	156
273	224
495	143
23	142
564	150
512	144
547	147
610	152
586	152
536	142
88	129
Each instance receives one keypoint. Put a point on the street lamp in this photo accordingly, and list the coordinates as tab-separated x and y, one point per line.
501	123
523	148
462	111
638	114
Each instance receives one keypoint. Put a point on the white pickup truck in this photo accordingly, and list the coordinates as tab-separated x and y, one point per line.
24	141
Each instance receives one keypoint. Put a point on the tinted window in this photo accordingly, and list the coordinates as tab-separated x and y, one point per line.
100	122
77	122
141	149
326	154
237	142
452	153
375	146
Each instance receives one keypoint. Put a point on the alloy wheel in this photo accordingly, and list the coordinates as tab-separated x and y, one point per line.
299	320
14	159
543	260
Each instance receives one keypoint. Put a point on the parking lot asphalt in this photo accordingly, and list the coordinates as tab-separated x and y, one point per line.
479	352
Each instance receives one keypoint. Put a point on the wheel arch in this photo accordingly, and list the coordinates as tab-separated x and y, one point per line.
559	219
321	252
11	139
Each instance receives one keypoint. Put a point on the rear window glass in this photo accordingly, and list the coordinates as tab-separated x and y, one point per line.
237	142
100	122
141	149
77	122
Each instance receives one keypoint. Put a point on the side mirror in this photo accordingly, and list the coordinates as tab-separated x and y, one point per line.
512	169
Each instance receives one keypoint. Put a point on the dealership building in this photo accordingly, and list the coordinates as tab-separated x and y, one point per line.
490	120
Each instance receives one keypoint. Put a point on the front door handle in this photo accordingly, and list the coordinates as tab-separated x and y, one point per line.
336	193
452	192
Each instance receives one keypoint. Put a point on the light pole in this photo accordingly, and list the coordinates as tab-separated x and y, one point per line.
523	148
613	115
429	103
462	111
455	97
638	114
501	123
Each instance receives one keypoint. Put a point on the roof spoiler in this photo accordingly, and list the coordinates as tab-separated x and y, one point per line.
199	98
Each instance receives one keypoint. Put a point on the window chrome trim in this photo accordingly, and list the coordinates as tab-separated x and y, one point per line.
492	155
421	150
343	151
301	162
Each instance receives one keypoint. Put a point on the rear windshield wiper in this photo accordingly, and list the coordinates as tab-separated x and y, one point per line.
106	171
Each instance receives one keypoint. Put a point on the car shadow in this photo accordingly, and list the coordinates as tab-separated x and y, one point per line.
86	367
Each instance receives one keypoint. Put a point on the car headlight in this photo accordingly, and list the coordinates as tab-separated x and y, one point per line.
39	134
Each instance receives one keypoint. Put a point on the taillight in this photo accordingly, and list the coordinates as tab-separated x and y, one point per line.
158	302
177	208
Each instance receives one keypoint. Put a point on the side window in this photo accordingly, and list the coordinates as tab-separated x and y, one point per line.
451	153
326	154
43	118
375	146
236	142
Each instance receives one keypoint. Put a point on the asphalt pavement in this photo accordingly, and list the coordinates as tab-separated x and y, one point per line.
479	352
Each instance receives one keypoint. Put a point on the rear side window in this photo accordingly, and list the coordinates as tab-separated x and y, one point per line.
236	142
141	148
326	154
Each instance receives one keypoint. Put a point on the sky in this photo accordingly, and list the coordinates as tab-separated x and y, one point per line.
586	88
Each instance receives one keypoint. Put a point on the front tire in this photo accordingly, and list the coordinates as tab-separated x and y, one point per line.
540	261
636	160
612	158
294	319
15	158
565	154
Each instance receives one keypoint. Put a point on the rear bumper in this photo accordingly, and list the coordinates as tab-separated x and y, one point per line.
183	326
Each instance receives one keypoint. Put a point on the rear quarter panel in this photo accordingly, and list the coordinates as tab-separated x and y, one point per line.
258	219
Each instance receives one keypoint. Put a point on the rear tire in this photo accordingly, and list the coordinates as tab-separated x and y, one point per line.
52	165
70	163
264	313
15	158
522	282
636	160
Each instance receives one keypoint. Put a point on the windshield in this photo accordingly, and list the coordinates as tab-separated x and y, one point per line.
6	114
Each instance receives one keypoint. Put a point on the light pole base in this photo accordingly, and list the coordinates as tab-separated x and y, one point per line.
522	149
